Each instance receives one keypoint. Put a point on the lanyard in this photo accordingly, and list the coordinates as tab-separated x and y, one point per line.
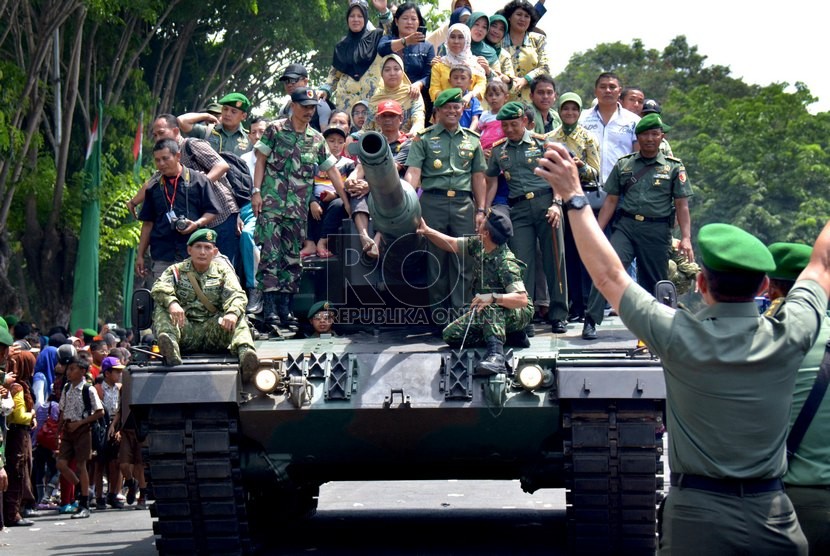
171	199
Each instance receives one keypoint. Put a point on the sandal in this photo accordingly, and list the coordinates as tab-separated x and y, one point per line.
324	253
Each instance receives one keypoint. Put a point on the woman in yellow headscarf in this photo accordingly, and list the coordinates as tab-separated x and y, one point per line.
396	86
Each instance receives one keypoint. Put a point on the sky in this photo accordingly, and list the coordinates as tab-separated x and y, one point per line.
760	45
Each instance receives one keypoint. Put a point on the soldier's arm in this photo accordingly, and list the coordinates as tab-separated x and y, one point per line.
164	289
595	250
440	240
818	268
609	207
492	187
187	121
413	176
684	220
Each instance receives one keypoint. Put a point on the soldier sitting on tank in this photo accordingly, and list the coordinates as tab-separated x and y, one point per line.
321	318
200	306
502	309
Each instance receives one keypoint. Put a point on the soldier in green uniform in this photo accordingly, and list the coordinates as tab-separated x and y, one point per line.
536	213
682	272
288	155
446	161
200	306
225	132
808	470
321	318
726	369
649	188
501	308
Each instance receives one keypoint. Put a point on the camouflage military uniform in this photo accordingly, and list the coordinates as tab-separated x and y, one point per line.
682	272
496	272
202	331
286	192
221	140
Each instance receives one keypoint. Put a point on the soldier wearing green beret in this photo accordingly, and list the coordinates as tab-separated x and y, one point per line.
501	308
321	316
535	212
808	468
726	369
225	132
200	307
645	189
446	161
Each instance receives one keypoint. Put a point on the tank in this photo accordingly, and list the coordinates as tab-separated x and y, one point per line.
226	458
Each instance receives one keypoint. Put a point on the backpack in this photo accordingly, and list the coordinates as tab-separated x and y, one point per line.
238	175
47	435
98	428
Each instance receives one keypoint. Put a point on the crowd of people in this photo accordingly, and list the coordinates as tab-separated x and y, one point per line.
559	202
56	390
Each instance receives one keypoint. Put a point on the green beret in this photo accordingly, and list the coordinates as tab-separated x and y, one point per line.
511	111
725	247
11	320
448	95
499	224
205	234
5	338
570	97
236	100
790	259
317	307
651	121
91	332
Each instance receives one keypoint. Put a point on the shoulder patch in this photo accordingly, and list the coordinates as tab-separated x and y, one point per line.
540	136
774	307
471	132
629	155
673	159
425	130
500	142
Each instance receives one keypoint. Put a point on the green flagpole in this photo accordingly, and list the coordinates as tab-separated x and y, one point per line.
129	265
85	295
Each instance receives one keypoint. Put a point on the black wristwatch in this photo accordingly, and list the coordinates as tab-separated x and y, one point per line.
577	202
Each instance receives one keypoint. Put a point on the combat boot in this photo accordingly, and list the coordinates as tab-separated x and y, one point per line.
248	362
254	301
493	363
287	318
517	339
269	308
169	349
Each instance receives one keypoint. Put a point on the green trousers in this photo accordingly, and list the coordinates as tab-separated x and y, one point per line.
205	336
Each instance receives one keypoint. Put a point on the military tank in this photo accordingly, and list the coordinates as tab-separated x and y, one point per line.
226	459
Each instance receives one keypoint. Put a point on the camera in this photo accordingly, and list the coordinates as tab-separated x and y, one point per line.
180	223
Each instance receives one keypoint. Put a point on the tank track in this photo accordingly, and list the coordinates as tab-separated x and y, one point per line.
195	479
614	475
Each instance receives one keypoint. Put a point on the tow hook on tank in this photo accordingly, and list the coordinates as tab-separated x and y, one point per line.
390	399
495	390
300	391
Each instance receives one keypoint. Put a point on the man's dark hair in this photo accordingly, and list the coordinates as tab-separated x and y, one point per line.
628	90
255	120
403	8
168	144
169	119
607	75
733	286
21	330
542	78
784	286
95	345
514	5
530	111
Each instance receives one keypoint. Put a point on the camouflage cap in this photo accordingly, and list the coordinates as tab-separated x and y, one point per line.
651	121
728	248
448	95
205	234
236	100
317	307
790	259
511	111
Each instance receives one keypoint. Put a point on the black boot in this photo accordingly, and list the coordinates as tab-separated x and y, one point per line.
287	318
269	308
493	362
254	301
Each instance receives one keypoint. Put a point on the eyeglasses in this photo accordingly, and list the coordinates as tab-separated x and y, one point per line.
322	315
292	80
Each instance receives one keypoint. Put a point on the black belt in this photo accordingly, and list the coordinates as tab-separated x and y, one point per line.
527	196
448	192
16	427
817	487
641	218
734	487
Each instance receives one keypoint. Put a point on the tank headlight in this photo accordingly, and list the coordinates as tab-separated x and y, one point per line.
532	377
265	380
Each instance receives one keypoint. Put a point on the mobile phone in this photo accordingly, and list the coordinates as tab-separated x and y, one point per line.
423	30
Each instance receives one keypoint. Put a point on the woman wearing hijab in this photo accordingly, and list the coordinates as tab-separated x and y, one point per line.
458	54
396	86
46	362
19	441
408	43
355	71
526	48
488	57
438	37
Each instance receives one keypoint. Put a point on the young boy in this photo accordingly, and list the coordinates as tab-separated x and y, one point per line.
462	77
321	317
74	424
107	462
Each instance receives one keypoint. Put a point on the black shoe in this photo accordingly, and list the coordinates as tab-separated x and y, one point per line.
576	318
254	301
589	330
100	504
132	485
559	327
22	523
517	339
530	331
287	318
490	365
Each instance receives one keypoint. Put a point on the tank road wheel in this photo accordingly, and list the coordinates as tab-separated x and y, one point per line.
194	475
614	475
